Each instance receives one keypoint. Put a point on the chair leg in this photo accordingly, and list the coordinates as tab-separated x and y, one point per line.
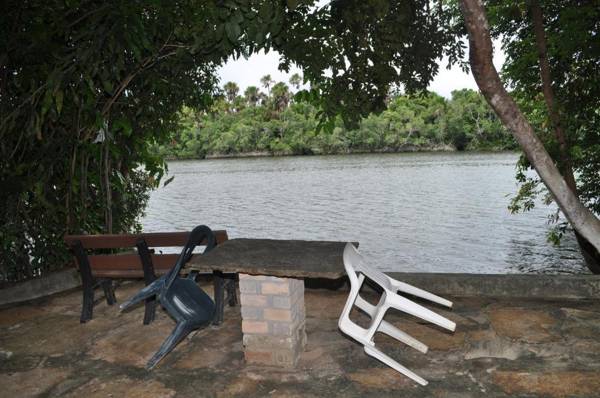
109	291
398	334
388	328
148	291
150	310
404	304
374	352
181	330
415	291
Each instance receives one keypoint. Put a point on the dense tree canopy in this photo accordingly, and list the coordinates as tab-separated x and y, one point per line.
282	126
87	87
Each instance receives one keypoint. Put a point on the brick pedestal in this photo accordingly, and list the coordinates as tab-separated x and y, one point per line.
272	319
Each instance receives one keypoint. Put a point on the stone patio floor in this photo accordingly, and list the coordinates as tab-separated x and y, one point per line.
501	348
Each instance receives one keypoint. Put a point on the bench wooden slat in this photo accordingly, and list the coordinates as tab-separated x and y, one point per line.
129	261
153	239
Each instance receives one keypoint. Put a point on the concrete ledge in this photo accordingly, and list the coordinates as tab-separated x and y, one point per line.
52	283
539	286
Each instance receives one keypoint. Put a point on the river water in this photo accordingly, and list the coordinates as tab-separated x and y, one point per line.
429	212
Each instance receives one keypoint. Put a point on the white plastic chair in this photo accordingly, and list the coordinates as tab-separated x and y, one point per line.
357	270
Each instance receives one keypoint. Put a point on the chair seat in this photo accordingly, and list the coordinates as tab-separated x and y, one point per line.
185	301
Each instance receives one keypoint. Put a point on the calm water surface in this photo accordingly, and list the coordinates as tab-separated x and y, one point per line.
431	212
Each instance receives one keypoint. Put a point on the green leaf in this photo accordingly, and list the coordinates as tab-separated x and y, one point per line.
233	31
58	100
108	86
46	102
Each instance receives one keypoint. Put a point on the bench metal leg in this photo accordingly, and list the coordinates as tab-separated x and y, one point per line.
109	291
149	277
87	281
87	308
219	297
232	291
223	283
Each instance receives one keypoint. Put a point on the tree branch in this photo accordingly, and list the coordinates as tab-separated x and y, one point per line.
486	76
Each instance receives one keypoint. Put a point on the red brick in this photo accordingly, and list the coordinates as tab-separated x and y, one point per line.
249	286
275	288
256	327
277	314
254	300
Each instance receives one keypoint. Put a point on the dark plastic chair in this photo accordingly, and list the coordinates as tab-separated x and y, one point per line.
183	299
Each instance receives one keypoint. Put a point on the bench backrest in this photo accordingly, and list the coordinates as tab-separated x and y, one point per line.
129	265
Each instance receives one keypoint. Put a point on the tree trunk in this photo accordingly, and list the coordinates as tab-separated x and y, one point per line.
486	76
591	256
545	74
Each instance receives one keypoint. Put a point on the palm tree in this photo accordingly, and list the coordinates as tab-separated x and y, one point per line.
252	95
231	90
280	96
296	81
266	81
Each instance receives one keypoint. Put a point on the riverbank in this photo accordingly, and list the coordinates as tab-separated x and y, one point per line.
442	148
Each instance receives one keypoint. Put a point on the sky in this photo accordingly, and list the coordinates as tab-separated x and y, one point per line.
247	72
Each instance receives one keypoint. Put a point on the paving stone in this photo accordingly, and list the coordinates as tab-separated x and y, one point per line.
52	334
31	383
551	384
540	348
133	344
201	358
16	315
381	379
433	337
532	326
581	323
487	344
320	362
238	387
122	387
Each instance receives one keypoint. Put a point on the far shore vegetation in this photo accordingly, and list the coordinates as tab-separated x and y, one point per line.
273	121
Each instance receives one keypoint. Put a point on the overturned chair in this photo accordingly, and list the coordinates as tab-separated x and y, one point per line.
358	270
181	297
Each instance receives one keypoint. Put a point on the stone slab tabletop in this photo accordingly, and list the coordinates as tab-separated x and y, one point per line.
282	258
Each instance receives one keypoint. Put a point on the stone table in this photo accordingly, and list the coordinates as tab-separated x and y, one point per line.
272	290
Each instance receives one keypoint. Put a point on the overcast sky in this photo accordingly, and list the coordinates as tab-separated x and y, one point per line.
247	72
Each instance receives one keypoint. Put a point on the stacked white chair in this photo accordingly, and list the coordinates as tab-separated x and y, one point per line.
357	270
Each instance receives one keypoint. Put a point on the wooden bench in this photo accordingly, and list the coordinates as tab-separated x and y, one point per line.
99	269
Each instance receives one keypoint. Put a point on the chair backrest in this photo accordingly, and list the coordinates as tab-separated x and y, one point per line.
201	233
354	262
